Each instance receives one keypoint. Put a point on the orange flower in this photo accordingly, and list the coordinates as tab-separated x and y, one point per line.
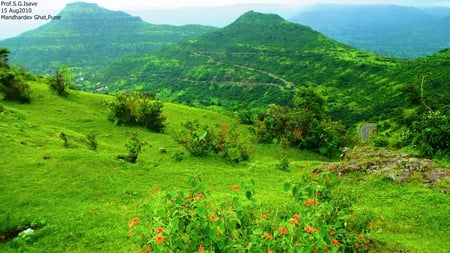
335	242
130	233
269	250
132	223
310	202
199	196
283	230
295	219
213	218
361	237
331	232
357	245
159	239
263	217
160	230
310	229
268	236
147	250
201	249
235	188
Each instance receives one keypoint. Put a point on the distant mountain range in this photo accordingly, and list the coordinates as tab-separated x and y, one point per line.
89	36
385	29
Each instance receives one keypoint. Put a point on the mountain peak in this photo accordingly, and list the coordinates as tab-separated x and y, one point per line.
82	10
256	18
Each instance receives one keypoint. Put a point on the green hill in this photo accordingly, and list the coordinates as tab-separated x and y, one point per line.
88	37
398	31
260	59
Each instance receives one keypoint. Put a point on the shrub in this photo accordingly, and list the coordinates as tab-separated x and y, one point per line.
13	87
303	129
137	109
315	219
223	140
91	141
429	134
62	81
134	146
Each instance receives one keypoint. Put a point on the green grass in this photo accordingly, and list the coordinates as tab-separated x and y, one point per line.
82	200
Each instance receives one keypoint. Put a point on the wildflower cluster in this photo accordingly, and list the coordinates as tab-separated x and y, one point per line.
311	221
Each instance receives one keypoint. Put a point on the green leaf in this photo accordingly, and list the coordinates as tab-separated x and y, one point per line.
249	195
286	187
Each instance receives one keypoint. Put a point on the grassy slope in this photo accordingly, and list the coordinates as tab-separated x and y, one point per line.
85	198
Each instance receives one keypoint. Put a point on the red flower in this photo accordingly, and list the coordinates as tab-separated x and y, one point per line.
335	242
213	218
159	239
147	250
235	188
357	245
160	230
283	230
199	196
309	229
201	249
361	237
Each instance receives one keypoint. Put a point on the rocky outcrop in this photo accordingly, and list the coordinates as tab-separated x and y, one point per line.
394	165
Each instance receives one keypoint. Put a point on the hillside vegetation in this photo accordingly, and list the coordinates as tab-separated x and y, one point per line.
261	59
78	198
89	37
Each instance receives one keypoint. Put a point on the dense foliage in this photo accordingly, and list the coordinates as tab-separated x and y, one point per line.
223	140
316	218
305	125
12	82
137	109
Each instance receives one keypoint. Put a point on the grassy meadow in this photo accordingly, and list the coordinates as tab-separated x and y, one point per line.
80	200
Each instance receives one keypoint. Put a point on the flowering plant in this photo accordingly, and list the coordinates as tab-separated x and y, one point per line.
313	220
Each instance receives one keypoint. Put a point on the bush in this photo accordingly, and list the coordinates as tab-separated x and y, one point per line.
317	218
13	87
223	140
62	81
303	130
429	134
134	147
91	141
137	109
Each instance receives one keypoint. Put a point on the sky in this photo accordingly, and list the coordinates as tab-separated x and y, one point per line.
148	10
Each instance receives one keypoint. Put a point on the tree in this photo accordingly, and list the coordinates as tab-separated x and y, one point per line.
4	58
62	81
309	100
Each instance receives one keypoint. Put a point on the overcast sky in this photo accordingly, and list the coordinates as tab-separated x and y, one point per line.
10	28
